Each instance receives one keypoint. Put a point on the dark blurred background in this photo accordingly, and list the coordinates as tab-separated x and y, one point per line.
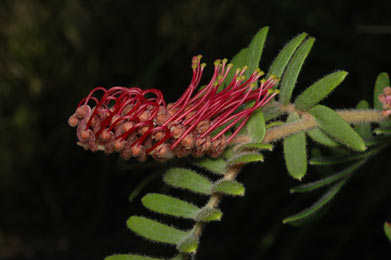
60	202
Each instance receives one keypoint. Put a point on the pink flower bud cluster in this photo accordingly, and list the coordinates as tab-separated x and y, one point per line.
385	99
137	123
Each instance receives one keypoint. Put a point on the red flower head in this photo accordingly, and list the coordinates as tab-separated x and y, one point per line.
137	122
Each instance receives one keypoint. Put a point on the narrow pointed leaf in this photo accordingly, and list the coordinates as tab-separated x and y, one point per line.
207	214
333	124
229	187
130	257
387	230
256	126
330	194
321	160
295	151
136	191
283	57
188	245
238	61
155	231
275	123
247	157
382	81
291	74
187	179
363	129
319	90
168	205
255	50
258	146
320	137
382	131
328	180
214	165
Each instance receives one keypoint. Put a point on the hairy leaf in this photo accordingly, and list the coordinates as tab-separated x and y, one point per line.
209	214
155	231
256	126
214	165
187	179
130	257
229	187
328	180
289	78
283	57
321	160
333	124
255	50
382	131
168	205
258	146
330	194
320	137
319	90
188	245
136	191
295	151
238	61
246	157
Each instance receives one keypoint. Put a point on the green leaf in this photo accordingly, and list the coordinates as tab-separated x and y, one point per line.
320	137
255	50
333	124
363	129
168	205
328	180
130	257
155	231
258	146
187	179
295	151
246	157
382	81
382	131
319	90
387	230
283	57
238	61
274	123
229	187
188	245
207	214
330	194
214	165
136	191
256	126
289	78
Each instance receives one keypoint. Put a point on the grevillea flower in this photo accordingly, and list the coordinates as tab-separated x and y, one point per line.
137	123
385	99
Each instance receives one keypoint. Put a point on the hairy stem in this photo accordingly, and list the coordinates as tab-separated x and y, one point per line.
275	133
214	200
307	122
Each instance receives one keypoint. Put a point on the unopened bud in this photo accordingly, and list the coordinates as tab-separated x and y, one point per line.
73	120
83	111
